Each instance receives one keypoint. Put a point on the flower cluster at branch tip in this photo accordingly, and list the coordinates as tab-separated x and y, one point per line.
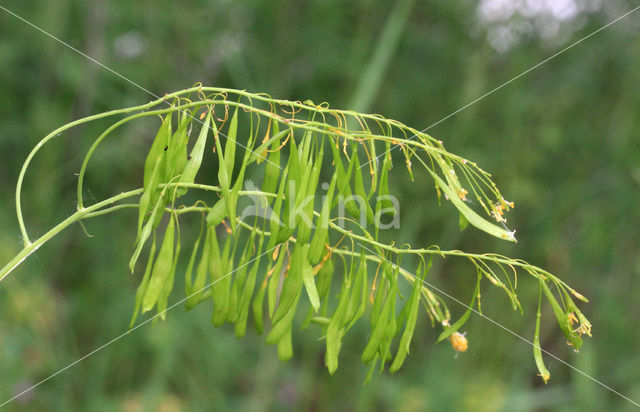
583	329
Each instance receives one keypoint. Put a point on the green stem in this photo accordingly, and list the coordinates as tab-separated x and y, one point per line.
58	131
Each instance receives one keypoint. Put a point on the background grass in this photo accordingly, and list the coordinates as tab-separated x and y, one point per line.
563	142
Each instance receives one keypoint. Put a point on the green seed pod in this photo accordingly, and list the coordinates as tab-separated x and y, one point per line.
380	330
219	267
176	152
325	275
188	280
320	236
195	159
360	192
230	145
562	318
274	281
383	203
283	324
310	283
142	288
161	269
274	220
157	151
239	278
412	317
217	213
202	272
163	299
148	196
358	301
537	349
293	282
285	349
463	319
271	168
258	308
334	330
247	292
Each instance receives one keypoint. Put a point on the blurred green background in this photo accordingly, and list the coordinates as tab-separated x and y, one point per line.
563	142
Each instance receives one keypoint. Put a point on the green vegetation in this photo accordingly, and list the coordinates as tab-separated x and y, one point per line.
560	142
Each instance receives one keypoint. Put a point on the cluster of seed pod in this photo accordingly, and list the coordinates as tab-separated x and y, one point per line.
264	265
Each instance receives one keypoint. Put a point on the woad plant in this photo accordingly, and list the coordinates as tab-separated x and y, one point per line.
301	244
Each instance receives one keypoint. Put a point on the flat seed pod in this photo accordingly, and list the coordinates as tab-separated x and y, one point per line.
380	329
285	348
283	324
257	308
161	268
274	281
562	318
292	284
310	283
537	349
176	152
195	159
335	331
358	301
247	292
463	319
142	288
412	316
149	195
201	274
220	267
157	149
473	218
320	236
165	292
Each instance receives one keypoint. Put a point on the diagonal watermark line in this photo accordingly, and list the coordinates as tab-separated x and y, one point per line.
123	78
507	329
93	352
509	81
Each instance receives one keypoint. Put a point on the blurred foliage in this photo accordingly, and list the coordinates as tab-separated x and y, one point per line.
562	142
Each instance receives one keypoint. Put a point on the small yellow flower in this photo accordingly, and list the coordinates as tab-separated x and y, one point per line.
572	318
583	329
462	194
